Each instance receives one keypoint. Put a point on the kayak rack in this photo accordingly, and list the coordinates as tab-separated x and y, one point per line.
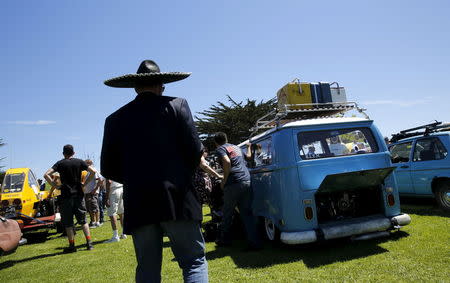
423	130
295	112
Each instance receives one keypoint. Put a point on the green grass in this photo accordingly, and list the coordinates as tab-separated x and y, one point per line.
419	252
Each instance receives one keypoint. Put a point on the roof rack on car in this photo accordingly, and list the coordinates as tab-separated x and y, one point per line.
426	130
295	112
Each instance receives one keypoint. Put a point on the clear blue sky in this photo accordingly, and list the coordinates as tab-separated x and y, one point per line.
392	56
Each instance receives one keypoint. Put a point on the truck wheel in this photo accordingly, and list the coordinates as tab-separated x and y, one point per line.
442	195
272	232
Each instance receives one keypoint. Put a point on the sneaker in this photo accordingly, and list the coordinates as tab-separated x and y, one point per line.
69	249
123	236
89	246
99	224
113	240
92	225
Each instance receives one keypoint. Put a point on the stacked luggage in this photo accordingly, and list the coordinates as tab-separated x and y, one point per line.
302	95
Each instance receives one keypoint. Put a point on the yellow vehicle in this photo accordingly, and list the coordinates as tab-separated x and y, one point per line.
22	199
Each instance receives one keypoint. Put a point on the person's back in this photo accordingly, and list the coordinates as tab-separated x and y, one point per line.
151	146
238	171
158	153
69	170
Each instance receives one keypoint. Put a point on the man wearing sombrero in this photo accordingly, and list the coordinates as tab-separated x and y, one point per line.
151	146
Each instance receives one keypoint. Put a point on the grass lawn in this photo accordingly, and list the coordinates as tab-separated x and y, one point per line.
419	252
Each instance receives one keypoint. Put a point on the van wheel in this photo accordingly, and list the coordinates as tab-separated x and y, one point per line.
442	195
272	232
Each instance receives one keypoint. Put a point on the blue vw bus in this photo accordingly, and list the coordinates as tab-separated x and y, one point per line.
324	178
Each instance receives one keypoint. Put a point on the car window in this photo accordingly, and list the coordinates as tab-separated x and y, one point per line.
332	143
429	149
261	153
400	152
13	183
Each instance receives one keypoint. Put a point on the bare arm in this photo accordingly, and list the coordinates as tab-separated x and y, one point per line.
205	167
226	165
248	154
48	177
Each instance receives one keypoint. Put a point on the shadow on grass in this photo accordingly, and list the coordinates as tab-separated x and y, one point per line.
312	255
422	206
11	263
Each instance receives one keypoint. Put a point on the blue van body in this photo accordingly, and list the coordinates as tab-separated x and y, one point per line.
300	197
423	167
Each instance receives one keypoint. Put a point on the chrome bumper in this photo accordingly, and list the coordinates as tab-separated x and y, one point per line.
347	229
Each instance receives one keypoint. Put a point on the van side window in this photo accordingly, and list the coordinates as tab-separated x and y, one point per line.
429	149
400	152
261	153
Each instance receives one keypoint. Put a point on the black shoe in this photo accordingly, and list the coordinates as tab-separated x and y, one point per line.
69	249
89	246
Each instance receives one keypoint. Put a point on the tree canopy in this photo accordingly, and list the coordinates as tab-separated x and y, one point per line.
233	118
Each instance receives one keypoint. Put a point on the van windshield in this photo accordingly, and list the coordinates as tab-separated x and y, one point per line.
13	183
333	143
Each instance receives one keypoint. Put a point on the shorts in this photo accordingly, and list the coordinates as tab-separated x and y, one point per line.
91	202
70	207
115	202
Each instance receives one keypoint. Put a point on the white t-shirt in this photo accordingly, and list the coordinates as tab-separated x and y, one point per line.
115	186
89	187
338	148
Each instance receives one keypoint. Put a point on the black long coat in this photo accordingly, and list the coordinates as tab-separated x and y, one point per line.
151	146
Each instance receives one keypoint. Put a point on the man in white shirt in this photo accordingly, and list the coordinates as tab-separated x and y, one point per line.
114	202
336	147
91	197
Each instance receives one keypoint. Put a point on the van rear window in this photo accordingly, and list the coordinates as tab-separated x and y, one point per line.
13	183
333	143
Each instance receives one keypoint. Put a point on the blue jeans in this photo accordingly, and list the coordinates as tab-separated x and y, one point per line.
240	195
187	244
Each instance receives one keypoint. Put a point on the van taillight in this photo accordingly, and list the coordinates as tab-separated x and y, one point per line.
17	202
309	213
390	199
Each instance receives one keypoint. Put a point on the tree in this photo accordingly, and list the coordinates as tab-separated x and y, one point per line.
235	119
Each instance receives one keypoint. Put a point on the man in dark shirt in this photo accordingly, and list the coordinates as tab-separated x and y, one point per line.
151	146
237	192
72	194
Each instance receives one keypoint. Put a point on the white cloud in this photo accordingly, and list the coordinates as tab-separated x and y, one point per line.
402	103
33	123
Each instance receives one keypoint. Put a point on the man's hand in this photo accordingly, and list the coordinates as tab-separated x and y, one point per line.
108	203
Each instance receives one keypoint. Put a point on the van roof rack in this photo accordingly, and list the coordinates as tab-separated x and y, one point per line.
425	131
295	112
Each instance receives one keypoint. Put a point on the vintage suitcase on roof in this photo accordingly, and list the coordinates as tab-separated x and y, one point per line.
338	93
321	93
10	235
294	93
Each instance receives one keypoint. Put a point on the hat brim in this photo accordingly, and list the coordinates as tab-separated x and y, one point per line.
132	80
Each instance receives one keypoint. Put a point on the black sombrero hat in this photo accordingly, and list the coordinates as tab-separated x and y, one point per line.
148	72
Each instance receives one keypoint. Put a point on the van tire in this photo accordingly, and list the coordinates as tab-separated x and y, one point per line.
442	195
271	231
